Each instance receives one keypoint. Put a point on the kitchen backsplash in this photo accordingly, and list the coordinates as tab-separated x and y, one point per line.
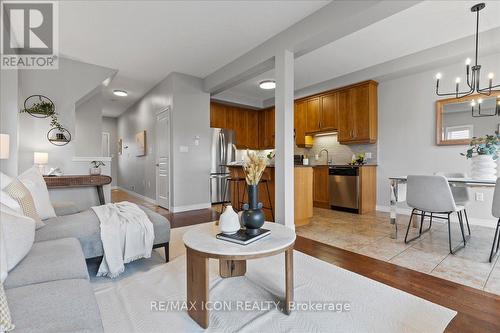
340	154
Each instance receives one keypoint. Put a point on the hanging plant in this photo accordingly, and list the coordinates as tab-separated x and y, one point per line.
43	107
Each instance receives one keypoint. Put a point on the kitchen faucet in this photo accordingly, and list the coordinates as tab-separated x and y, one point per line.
327	158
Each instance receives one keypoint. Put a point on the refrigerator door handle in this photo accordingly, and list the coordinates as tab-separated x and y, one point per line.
224	149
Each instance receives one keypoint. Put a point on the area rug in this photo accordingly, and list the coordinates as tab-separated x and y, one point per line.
151	301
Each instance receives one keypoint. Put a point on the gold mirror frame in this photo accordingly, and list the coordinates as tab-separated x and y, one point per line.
439	117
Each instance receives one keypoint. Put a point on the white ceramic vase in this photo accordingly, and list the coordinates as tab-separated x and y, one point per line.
229	221
483	167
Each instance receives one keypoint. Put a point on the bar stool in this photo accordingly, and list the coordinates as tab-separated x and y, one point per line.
228	183
495	211
432	194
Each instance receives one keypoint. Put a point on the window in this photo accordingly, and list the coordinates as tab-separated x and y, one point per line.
459	132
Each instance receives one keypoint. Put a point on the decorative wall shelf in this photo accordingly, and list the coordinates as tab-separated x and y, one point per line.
53	138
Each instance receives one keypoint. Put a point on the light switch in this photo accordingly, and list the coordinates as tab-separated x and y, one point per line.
197	140
183	149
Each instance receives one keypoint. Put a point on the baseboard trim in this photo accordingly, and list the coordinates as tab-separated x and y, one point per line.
135	194
490	223
178	209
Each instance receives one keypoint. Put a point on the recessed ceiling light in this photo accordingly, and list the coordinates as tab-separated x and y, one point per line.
121	93
267	84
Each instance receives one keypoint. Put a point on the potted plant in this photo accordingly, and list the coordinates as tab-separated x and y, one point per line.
95	167
253	217
483	152
42	108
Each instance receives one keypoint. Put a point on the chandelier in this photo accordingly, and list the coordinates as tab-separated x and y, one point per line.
472	74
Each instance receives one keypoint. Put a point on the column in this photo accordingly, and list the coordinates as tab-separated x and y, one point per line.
284	140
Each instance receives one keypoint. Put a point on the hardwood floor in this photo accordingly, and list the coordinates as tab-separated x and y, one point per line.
176	219
478	311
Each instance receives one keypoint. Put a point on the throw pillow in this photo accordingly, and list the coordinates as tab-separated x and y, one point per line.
4	180
18	235
19	192
33	180
3	257
5	319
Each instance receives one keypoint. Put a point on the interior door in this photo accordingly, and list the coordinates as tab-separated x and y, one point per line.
163	159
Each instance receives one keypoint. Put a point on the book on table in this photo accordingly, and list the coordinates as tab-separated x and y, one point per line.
241	237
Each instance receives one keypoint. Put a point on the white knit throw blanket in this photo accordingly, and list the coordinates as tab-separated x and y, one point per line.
127	234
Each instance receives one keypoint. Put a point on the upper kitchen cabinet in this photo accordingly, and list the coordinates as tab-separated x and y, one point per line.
252	127
313	119
357	113
329	105
218	115
266	128
300	117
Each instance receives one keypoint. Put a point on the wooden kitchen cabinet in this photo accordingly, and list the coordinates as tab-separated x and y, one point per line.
217	115
357	110
240	128
252	129
312	115
329	112
321	197
266	128
300	123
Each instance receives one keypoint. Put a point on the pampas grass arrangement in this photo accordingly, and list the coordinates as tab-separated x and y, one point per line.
254	167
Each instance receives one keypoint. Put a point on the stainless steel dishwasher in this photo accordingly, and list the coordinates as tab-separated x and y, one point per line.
344	188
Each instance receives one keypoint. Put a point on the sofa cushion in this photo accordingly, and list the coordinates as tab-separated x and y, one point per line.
49	261
65	208
86	227
56	306
5	318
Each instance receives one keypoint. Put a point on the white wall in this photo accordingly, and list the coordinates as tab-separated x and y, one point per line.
110	125
88	126
9	109
190	171
66	86
407	133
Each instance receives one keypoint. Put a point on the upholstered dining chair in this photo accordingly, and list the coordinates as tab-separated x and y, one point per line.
461	194
495	211
432	195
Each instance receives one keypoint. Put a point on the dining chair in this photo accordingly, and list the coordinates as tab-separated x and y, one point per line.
495	211
461	194
432	195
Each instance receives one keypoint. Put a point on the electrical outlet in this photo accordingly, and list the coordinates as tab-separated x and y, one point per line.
479	196
368	155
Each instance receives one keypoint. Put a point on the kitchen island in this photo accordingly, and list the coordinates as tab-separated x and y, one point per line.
303	191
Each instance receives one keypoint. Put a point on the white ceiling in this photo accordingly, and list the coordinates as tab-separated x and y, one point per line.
146	40
423	26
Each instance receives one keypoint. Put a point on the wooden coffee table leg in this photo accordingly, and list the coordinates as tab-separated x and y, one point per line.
232	268
197	287
288	279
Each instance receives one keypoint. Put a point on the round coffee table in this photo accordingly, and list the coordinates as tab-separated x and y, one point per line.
202	245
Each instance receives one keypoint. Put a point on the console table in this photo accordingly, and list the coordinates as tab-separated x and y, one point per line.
79	181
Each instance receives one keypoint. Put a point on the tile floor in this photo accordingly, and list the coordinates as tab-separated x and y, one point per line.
369	235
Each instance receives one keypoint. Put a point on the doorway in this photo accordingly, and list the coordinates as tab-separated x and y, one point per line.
163	159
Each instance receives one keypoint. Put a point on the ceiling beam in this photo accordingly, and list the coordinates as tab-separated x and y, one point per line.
425	60
328	24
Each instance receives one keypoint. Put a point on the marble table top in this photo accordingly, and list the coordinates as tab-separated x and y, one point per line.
202	239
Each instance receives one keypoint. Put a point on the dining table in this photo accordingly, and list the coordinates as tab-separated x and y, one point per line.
398	194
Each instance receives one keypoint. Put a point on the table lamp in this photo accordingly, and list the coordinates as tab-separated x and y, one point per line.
40	160
4	146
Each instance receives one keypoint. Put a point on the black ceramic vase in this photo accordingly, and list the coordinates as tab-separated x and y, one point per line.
253	216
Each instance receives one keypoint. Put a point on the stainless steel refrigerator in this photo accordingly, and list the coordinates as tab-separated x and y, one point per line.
223	153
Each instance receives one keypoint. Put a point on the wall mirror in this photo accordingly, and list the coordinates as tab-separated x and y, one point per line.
460	119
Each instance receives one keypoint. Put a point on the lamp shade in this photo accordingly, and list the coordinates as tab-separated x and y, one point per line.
41	158
4	146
